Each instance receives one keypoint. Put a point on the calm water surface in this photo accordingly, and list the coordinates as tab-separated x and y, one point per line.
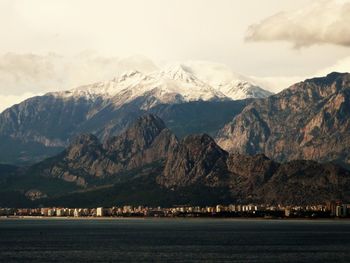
173	240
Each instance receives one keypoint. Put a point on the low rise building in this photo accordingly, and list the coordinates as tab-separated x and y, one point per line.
100	211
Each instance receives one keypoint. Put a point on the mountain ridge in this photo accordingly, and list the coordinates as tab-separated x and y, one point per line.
42	126
147	160
309	120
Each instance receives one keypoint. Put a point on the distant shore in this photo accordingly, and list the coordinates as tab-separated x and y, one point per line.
169	218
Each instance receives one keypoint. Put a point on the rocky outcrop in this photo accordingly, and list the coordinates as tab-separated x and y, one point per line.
197	159
310	120
146	141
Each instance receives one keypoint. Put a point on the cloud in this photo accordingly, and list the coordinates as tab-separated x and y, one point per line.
22	73
321	22
277	84
343	65
26	75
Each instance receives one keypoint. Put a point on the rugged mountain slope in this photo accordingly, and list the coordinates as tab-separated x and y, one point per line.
310	120
197	159
43	126
306	182
147	162
259	179
86	159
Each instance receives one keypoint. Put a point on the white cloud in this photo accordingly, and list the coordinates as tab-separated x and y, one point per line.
22	73
26	75
276	84
343	65
321	22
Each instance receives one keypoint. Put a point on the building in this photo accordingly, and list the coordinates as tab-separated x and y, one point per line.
341	211
100	211
51	212
219	209
60	212
77	212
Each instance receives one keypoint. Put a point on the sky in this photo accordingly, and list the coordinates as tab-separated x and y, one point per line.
49	45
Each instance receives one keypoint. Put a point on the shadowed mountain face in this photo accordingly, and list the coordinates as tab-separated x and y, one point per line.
147	164
146	141
310	120
258	178
197	159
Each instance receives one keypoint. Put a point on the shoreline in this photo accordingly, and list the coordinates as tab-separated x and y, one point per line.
3	218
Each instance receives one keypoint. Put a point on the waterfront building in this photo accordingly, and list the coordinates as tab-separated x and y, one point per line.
100	211
50	212
60	212
77	212
341	211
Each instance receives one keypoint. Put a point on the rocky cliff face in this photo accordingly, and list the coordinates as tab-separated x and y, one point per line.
310	120
197	159
146	141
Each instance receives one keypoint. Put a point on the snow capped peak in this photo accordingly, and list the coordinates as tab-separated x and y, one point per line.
175	83
105	89
178	72
239	90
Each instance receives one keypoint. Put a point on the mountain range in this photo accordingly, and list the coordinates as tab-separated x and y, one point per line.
143	144
43	126
148	164
310	120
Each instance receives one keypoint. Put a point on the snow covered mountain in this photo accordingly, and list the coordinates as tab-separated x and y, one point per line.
173	84
189	97
239	90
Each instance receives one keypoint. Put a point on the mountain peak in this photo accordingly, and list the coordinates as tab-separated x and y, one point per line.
329	79
129	74
149	120
239	90
179	72
139	135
